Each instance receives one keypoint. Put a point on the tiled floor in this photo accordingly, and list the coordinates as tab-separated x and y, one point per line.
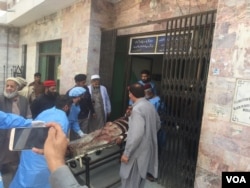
108	173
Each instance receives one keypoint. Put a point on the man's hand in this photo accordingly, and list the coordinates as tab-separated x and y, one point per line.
118	140
55	147
124	159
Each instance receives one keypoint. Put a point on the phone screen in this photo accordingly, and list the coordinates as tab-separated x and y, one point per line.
27	138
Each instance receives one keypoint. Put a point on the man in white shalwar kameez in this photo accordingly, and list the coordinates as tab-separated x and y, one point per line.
101	104
141	151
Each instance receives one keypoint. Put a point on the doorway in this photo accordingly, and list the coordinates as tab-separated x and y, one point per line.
127	70
152	63
179	63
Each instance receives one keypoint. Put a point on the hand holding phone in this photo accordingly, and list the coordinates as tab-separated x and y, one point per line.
27	137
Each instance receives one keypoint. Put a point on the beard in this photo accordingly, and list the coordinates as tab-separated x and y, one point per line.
146	81
9	95
52	95
147	96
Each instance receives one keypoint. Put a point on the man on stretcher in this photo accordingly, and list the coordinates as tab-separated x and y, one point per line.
112	133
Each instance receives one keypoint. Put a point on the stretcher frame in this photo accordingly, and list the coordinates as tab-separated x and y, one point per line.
85	160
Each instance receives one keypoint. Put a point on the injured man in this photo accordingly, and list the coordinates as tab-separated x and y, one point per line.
112	133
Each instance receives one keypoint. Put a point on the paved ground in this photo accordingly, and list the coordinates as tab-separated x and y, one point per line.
107	174
104	176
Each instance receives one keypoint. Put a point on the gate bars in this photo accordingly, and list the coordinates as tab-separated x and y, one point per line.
184	76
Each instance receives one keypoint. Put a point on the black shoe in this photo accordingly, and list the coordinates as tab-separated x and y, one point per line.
150	177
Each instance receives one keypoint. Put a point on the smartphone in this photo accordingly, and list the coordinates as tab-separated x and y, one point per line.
27	137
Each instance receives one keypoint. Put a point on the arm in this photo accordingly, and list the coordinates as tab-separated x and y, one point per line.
34	107
54	150
89	102
108	104
58	181
153	87
87	108
11	120
73	120
158	122
76	128
135	133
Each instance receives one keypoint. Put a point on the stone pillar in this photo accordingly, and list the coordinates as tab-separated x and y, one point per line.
223	144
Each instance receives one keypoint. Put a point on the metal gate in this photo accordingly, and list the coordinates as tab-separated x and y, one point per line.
188	44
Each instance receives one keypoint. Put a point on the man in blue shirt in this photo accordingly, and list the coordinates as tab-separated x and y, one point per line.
86	106
33	170
76	94
8	120
146	79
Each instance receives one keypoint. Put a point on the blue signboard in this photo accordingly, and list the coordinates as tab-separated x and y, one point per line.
157	44
143	45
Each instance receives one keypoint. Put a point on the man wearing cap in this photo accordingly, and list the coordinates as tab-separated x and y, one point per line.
86	106
36	87
140	155
11	102
76	94
45	100
101	102
152	97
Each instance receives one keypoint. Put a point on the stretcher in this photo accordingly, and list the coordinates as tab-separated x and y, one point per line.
82	151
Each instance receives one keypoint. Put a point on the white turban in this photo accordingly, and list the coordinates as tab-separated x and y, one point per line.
15	80
19	80
22	81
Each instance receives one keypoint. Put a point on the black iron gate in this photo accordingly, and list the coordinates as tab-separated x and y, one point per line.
188	46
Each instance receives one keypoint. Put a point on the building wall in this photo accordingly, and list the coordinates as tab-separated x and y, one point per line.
131	12
224	146
3	5
45	29
75	42
79	28
101	17
9	52
71	26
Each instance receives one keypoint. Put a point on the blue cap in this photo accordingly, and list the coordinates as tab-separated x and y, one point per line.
76	91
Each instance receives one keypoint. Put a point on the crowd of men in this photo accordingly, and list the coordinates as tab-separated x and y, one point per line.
82	110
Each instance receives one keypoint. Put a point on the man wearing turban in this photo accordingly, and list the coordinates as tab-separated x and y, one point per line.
45	100
11	102
23	89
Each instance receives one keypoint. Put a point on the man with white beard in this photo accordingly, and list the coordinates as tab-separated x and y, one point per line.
11	102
